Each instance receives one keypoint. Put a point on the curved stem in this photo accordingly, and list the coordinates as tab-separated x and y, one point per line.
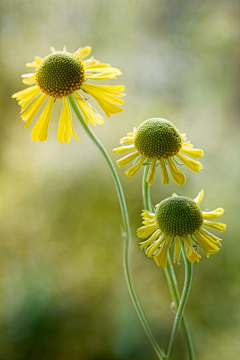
125	233
169	270
183	301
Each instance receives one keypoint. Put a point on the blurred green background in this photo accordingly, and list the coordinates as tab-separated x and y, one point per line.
63	292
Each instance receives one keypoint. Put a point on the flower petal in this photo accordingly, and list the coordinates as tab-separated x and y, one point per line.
210	236
199	197
178	176
126	159
145	231
195	153
122	149
151	172
177	249
82	52
192	255
161	256
153	237
152	248
106	96
65	128
164	173
215	225
213	214
132	171
207	246
192	164
33	108
40	130
90	114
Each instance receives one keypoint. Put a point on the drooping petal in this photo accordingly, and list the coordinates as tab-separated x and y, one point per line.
65	128
192	255
178	176
40	130
145	231
199	197
161	256
33	108
126	140
152	248
215	225
151	172
29	81
213	214
132	171
210	236
207	246
164	173
90	114
177	249
153	237
26	96
106	96
195	153
148	215
126	159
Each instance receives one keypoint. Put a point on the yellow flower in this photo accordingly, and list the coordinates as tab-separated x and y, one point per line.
178	219
60	75
157	141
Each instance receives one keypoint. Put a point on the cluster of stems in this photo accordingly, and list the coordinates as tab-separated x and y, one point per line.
179	301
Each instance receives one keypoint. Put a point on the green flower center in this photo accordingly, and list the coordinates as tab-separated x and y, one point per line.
157	138
60	74
178	215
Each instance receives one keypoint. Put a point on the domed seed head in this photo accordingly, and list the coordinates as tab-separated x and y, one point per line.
60	74
157	138
178	215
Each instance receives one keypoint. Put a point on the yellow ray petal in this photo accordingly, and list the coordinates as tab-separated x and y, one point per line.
132	171
177	249
161	256
90	114
215	225
178	176
199	197
23	94
145	231
192	255
127	140
148	215
35	63
106	96
213	214
192	164
207	246
151	172
195	153
210	236
123	149
126	159
154	236
152	248
40	130
33	108
83	52
164	173
65	128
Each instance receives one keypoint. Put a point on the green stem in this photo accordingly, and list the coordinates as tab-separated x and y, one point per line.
182	303
169	270
126	233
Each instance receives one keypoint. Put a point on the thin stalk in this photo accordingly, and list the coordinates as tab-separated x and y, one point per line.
183	301
169	270
125	233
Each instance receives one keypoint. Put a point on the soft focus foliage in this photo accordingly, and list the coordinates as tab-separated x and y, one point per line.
63	292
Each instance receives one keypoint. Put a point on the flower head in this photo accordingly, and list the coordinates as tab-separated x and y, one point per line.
157	141
60	75
179	218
